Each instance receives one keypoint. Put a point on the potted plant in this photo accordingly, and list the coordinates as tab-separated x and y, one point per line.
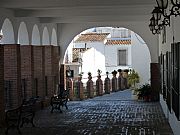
144	92
114	72
133	78
99	73
89	75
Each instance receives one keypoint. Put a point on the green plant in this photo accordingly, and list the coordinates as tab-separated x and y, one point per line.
89	73
133	78
99	72
144	92
114	72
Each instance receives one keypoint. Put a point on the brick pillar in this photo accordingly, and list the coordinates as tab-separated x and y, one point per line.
56	67
69	86
120	80
90	89
63	74
81	89
39	72
12	75
114	81
99	86
125	76
155	81
49	77
2	107
27	69
107	85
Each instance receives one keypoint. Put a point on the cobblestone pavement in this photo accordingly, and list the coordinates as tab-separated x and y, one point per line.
105	115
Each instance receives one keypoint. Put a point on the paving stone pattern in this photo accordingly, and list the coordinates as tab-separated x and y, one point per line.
105	115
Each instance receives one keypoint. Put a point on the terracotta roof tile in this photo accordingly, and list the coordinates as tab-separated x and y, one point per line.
92	37
119	42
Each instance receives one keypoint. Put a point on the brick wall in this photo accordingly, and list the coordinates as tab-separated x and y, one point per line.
56	68
27	69
39	71
49	77
155	81
12	75
1	85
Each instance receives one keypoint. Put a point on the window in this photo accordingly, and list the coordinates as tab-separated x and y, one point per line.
122	54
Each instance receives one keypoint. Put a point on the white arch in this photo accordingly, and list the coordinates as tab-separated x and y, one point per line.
23	36
36	36
8	32
45	37
54	37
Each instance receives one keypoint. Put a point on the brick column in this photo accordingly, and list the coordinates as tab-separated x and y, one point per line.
89	88
39	72
12	75
69	86
99	86
27	70
155	81
56	67
114	81
81	89
49	77
107	85
63	74
120	80
125	76
2	107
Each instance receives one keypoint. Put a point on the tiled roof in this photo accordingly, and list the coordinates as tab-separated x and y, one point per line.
92	37
118	42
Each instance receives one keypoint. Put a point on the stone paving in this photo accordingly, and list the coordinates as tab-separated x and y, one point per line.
113	114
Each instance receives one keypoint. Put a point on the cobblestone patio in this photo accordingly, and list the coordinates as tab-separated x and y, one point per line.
105	115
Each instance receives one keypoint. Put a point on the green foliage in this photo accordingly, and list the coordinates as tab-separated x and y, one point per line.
144	91
133	78
99	71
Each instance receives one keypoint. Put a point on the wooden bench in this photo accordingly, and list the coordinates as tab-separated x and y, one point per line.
16	118
60	100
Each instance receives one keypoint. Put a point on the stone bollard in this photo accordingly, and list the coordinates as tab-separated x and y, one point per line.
114	81
90	89
99	86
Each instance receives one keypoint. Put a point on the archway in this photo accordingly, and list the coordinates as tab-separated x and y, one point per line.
8	32
36	36
23	36
45	37
54	37
109	47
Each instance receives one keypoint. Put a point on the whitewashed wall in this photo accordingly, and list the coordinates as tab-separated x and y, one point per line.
141	58
173	30
93	60
111	53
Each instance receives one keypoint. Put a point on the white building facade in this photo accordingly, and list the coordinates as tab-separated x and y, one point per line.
109	49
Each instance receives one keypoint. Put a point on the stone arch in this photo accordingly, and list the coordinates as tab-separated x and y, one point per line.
23	36
8	32
54	37
35	36
45	37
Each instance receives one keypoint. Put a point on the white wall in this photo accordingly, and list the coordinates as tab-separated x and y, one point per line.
173	30
93	60
141	58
